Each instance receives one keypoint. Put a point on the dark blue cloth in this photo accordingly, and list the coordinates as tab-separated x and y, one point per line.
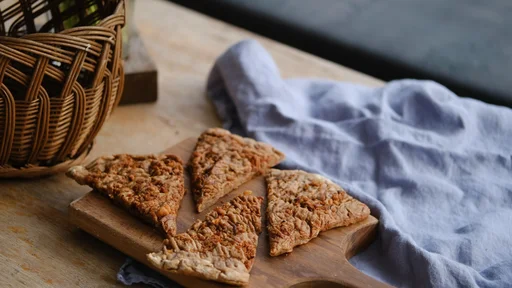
436	169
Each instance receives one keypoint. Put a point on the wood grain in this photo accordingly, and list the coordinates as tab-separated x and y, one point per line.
324	258
39	246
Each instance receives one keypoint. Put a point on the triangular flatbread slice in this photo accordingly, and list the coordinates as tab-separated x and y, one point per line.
301	205
222	247
150	187
221	162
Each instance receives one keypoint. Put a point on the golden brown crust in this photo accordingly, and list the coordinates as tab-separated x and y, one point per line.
301	205
150	187
222	161
222	247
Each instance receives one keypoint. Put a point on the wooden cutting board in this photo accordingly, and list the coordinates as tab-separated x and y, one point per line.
323	262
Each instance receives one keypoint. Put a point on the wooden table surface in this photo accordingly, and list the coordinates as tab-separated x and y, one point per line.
38	246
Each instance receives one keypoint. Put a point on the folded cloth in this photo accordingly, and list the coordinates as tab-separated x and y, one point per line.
436	169
133	272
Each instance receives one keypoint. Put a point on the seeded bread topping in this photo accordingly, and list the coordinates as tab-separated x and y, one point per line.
221	162
150	187
301	205
222	247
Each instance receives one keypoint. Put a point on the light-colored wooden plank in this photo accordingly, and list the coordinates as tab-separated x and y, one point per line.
39	246
323	258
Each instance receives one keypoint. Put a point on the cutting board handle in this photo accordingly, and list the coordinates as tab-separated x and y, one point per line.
358	279
354	239
352	278
348	276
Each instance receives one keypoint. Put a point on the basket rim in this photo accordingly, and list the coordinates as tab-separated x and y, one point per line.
120	9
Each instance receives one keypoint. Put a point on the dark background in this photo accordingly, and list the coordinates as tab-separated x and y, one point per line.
465	45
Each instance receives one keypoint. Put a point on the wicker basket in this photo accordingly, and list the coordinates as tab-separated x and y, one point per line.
58	84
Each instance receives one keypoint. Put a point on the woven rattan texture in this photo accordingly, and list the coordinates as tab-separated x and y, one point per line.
61	74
